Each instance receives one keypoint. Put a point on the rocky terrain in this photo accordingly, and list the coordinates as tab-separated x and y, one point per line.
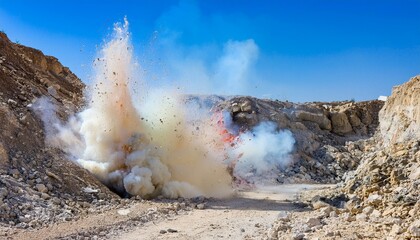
380	199
325	133
38	185
370	150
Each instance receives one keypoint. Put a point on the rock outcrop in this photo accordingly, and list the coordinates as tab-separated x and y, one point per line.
400	117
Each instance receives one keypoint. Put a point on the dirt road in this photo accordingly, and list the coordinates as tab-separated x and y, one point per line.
246	216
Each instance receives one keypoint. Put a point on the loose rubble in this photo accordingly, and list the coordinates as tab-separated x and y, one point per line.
380	198
38	185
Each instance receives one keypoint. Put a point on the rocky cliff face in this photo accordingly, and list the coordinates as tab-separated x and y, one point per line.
32	175
400	117
388	177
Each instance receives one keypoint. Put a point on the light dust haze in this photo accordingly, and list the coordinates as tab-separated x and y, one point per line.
148	141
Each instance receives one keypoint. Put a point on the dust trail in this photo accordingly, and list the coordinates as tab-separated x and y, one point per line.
150	152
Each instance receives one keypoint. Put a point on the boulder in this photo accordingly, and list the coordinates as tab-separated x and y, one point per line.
340	123
313	222
354	120
318	118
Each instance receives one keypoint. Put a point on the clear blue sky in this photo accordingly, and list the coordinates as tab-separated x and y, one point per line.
295	50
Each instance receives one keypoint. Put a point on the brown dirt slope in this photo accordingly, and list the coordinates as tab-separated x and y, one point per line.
36	182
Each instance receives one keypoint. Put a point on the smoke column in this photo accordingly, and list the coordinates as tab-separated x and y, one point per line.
146	150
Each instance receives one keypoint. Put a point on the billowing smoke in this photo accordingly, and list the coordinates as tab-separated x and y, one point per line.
150	141
149	152
261	153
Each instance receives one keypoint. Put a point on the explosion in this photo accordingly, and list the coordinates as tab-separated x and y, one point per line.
254	157
153	144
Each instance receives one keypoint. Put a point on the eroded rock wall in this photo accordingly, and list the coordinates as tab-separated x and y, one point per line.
400	117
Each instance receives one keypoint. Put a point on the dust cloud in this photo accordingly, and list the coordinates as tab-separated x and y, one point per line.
154	154
149	141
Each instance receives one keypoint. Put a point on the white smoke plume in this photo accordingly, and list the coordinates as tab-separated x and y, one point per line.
230	72
235	66
261	153
149	152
